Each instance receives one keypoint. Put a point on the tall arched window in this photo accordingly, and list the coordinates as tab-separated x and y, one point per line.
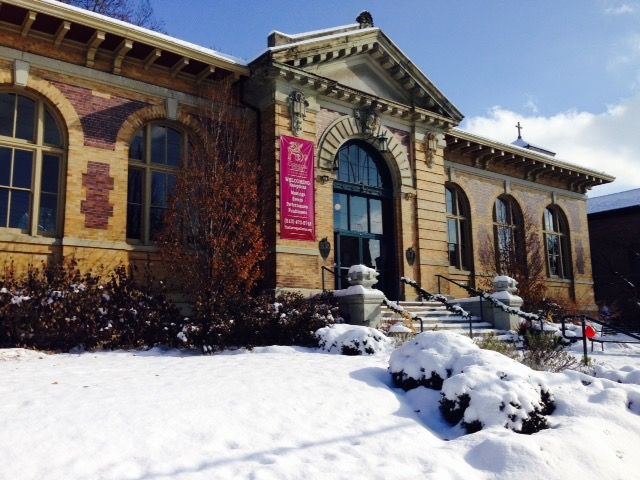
32	156
458	228
155	155
556	240
509	235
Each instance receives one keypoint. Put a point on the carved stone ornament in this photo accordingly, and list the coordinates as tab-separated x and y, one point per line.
297	110
368	119
365	19
431	146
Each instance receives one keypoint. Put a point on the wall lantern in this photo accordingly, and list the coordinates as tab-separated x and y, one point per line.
325	248
410	254
383	143
323	179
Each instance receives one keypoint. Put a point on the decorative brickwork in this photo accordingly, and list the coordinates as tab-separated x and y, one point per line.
325	118
96	207
101	116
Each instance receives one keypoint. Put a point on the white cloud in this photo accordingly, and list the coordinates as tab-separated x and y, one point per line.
606	142
621	9
531	104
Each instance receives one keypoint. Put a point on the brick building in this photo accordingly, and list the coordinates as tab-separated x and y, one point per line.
614	230
95	115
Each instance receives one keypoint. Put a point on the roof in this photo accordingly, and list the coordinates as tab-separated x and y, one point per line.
614	201
66	24
521	142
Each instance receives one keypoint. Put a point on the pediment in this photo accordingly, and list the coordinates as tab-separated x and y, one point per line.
363	74
365	60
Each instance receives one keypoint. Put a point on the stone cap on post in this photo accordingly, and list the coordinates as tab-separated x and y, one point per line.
362	275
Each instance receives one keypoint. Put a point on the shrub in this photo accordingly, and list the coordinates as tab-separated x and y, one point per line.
506	348
479	387
56	307
544	351
289	319
352	340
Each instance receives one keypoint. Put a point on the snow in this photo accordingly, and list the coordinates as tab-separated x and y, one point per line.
289	413
614	201
160	36
323	38
356	339
358	290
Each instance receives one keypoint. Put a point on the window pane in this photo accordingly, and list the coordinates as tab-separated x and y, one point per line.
22	168
5	166
158	189
452	230
19	213
375	216
358	214
464	248
450	203
453	255
50	173
51	131
134	191
4	206
174	147
26	121
136	149
134	221
7	106
340	219
372	254
156	218
548	220
171	185
553	245
48	211
501	211
158	144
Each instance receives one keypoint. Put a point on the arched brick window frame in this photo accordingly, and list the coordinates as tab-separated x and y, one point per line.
458	228
509	238
556	243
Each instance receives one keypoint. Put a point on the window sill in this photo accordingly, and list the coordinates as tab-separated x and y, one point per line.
15	235
559	280
457	271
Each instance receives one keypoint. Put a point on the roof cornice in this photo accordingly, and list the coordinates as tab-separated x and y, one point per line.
136	34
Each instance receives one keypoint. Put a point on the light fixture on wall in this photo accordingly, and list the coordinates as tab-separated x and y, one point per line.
323	179
410	255
325	248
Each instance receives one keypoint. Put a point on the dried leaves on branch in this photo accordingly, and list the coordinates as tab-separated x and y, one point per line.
213	239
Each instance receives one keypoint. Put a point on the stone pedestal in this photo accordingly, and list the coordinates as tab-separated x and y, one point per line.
505	289
360	304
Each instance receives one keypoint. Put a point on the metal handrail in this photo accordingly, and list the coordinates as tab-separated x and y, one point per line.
583	323
469	289
323	268
449	306
391	306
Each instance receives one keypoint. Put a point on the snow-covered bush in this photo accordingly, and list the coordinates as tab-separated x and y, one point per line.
352	340
480	388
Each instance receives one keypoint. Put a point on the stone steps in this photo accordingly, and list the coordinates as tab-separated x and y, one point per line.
437	318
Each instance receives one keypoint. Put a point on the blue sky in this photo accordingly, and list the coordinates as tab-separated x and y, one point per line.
569	70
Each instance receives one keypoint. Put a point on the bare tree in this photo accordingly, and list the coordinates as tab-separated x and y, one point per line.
524	261
136	12
213	238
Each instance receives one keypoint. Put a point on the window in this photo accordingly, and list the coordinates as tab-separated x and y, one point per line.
458	228
31	165
155	155
556	239
509	236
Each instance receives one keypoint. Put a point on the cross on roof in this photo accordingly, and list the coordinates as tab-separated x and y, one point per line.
519	127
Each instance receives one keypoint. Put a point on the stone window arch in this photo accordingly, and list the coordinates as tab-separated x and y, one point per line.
156	153
33	146
508	229
458	228
556	241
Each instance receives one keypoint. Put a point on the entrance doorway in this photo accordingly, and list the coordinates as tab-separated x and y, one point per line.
363	216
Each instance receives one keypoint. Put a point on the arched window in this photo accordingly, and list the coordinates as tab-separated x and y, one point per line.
556	240
509	236
155	155
458	228
32	156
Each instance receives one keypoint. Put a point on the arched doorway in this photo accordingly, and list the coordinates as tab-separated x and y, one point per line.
363	216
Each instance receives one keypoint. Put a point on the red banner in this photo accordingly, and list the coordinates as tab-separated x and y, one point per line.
297	189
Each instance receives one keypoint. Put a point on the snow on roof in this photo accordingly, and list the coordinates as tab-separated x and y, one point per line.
521	142
614	201
160	36
315	32
326	37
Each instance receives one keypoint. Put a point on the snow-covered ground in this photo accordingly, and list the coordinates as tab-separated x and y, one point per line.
285	413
